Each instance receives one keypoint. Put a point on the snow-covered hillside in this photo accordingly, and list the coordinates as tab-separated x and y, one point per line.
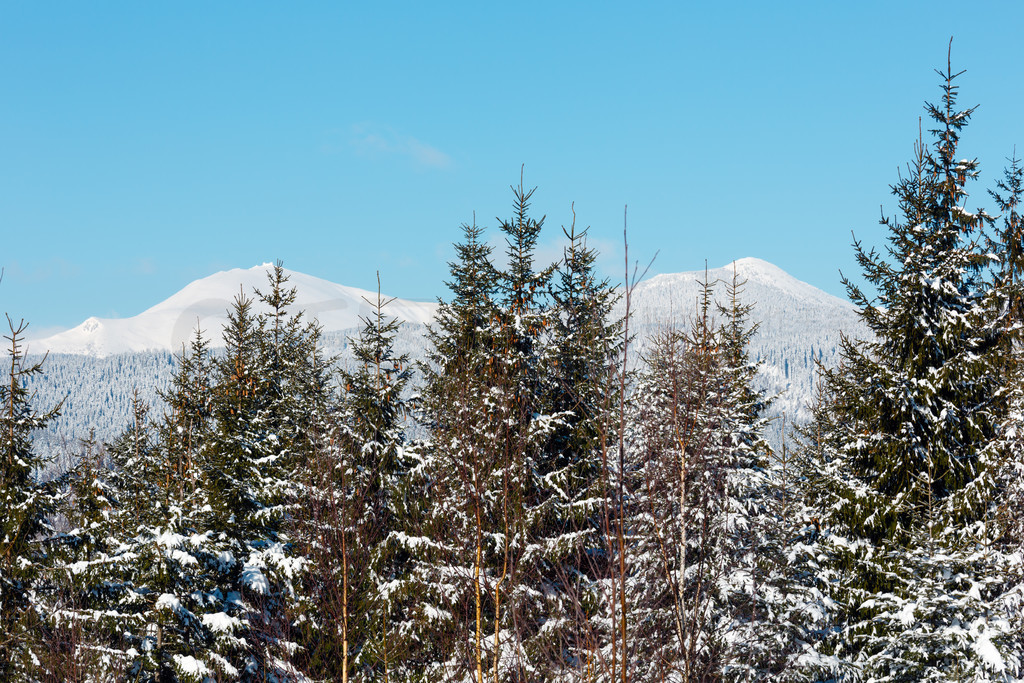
798	323
169	324
96	366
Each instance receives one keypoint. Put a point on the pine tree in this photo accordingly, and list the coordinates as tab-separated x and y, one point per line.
1008	304
379	510
491	472
578	364
1008	299
267	400
165	570
25	507
459	464
759	534
676	474
79	590
1008	245
908	462
526	594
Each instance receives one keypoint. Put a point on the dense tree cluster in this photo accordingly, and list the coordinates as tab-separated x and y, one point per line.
532	504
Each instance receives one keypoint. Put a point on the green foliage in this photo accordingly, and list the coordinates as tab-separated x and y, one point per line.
908	455
25	508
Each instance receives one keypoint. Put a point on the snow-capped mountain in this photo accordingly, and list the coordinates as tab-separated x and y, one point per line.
798	323
169	324
96	366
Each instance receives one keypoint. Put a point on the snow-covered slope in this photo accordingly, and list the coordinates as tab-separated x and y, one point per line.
798	323
169	324
95	366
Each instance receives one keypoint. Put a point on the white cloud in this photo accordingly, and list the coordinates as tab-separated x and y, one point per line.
375	140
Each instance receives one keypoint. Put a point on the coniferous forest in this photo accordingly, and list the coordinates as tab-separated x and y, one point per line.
534	503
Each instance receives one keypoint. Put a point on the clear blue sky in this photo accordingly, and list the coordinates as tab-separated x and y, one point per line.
144	145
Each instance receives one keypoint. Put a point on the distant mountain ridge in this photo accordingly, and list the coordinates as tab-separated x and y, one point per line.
170	323
98	364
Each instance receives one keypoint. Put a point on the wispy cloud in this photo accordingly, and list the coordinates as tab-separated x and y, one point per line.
373	140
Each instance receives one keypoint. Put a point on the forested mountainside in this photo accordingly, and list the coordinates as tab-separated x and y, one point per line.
798	325
97	391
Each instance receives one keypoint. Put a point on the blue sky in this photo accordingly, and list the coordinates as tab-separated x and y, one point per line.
144	145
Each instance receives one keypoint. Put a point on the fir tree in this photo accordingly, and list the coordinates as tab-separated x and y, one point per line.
25	507
578	364
372	478
909	456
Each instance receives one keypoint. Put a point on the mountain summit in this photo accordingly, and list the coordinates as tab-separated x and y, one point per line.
171	323
799	325
97	364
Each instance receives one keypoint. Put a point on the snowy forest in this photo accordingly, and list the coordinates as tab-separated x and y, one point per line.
534	503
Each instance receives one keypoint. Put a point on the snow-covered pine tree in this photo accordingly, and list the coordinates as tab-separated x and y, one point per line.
163	574
459	463
761	521
268	399
78	592
527	626
673	486
484	401
1008	243
384	511
908	463
1008	299
705	590
578	362
675	499
25	507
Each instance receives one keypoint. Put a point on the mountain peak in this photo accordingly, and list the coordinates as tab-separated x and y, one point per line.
205	302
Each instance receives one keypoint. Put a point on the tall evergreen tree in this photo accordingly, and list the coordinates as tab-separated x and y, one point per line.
1008	244
371	446
511	498
267	396
166	568
25	507
909	459
463	409
578	362
1008	305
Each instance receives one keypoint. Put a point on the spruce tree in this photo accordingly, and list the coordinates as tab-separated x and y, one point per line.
909	453
460	463
676	478
578	364
492	473
382	508
267	397
760	520
166	568
1008	243
78	592
25	507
